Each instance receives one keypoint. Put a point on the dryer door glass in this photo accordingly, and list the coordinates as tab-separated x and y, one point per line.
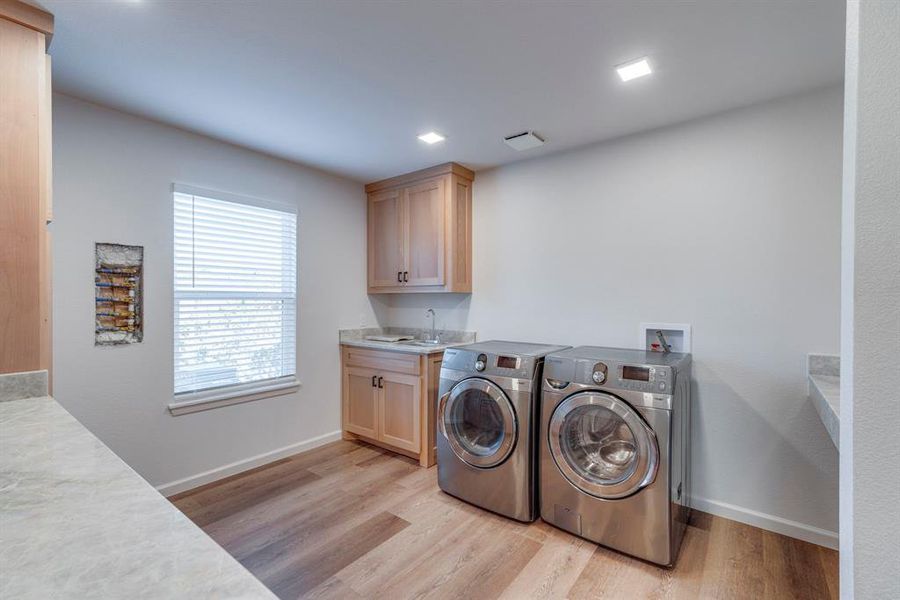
602	445
599	445
479	422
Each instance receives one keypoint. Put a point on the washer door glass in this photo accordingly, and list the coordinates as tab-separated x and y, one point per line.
479	423
603	446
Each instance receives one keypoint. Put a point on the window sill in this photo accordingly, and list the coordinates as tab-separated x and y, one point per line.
185	404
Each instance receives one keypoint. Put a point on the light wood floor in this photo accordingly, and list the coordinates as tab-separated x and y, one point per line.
351	521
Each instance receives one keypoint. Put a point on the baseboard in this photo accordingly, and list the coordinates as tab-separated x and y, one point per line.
188	483
801	531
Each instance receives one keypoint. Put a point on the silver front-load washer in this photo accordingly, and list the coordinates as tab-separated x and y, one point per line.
487	425
615	448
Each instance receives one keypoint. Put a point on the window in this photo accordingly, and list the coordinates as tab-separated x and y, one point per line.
235	297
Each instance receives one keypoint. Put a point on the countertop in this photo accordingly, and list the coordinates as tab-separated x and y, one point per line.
398	346
825	392
357	338
77	522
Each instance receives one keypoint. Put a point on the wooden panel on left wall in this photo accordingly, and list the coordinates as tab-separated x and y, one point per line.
25	173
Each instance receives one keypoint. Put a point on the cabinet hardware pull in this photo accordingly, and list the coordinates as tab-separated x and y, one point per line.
374	377
405	276
399	276
381	382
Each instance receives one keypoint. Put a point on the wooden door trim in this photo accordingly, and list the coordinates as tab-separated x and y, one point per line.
23	253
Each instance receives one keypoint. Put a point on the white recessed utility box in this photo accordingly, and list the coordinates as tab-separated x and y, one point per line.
524	141
677	335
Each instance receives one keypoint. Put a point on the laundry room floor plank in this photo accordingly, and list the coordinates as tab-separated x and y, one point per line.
350	521
553	569
306	569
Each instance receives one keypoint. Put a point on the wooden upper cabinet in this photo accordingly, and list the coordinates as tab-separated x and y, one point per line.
420	231
424	248
385	239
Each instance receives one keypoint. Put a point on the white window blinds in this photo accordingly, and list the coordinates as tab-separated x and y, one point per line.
235	292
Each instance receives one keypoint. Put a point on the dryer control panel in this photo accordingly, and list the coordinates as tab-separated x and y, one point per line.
645	378
657	379
487	363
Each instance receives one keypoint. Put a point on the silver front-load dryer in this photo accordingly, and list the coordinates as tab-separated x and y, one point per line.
615	448
487	424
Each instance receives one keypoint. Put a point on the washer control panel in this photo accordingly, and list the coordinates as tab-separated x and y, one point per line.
487	364
653	379
643	378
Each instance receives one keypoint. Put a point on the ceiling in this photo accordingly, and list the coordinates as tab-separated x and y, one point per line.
347	85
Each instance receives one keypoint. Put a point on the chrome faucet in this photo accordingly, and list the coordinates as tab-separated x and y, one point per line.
433	338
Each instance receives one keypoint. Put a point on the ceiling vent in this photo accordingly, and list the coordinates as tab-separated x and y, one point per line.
524	141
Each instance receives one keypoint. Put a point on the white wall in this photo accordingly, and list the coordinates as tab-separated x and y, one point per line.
730	223
112	183
870	311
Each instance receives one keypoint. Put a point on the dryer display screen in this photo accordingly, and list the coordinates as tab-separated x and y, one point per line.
507	362
636	373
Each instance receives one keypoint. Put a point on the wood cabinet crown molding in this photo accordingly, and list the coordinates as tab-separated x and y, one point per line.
416	176
29	16
419	232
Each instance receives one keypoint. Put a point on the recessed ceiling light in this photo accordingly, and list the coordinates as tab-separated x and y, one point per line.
634	69
431	137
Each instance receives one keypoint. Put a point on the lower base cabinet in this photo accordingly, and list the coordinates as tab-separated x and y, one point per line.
361	401
390	398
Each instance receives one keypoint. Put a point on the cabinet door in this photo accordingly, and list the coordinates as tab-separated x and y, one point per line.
385	238
424	210
399	411
361	402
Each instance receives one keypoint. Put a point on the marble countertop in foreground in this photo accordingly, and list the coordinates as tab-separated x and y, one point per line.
77	522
